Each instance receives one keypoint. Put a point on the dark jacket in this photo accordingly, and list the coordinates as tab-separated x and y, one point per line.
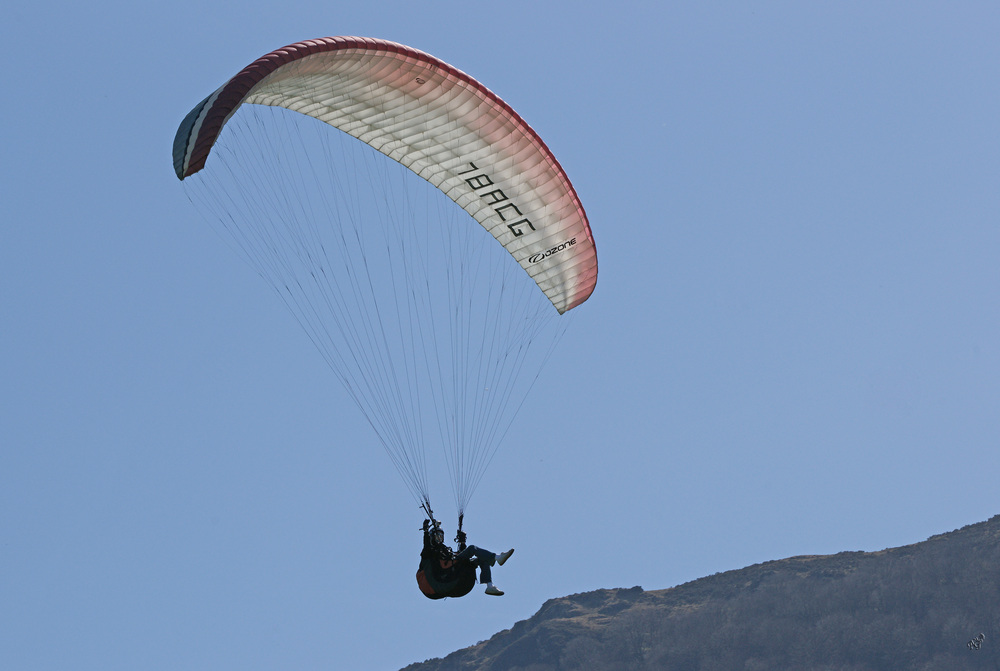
440	575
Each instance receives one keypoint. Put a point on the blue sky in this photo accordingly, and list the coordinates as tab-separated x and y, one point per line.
793	348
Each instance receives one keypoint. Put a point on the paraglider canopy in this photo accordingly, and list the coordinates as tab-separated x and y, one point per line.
438	122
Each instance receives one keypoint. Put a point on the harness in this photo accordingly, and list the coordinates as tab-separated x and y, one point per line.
440	574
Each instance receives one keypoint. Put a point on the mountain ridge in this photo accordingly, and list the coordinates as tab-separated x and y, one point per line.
911	607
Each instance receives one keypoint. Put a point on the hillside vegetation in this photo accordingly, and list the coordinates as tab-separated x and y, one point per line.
913	608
